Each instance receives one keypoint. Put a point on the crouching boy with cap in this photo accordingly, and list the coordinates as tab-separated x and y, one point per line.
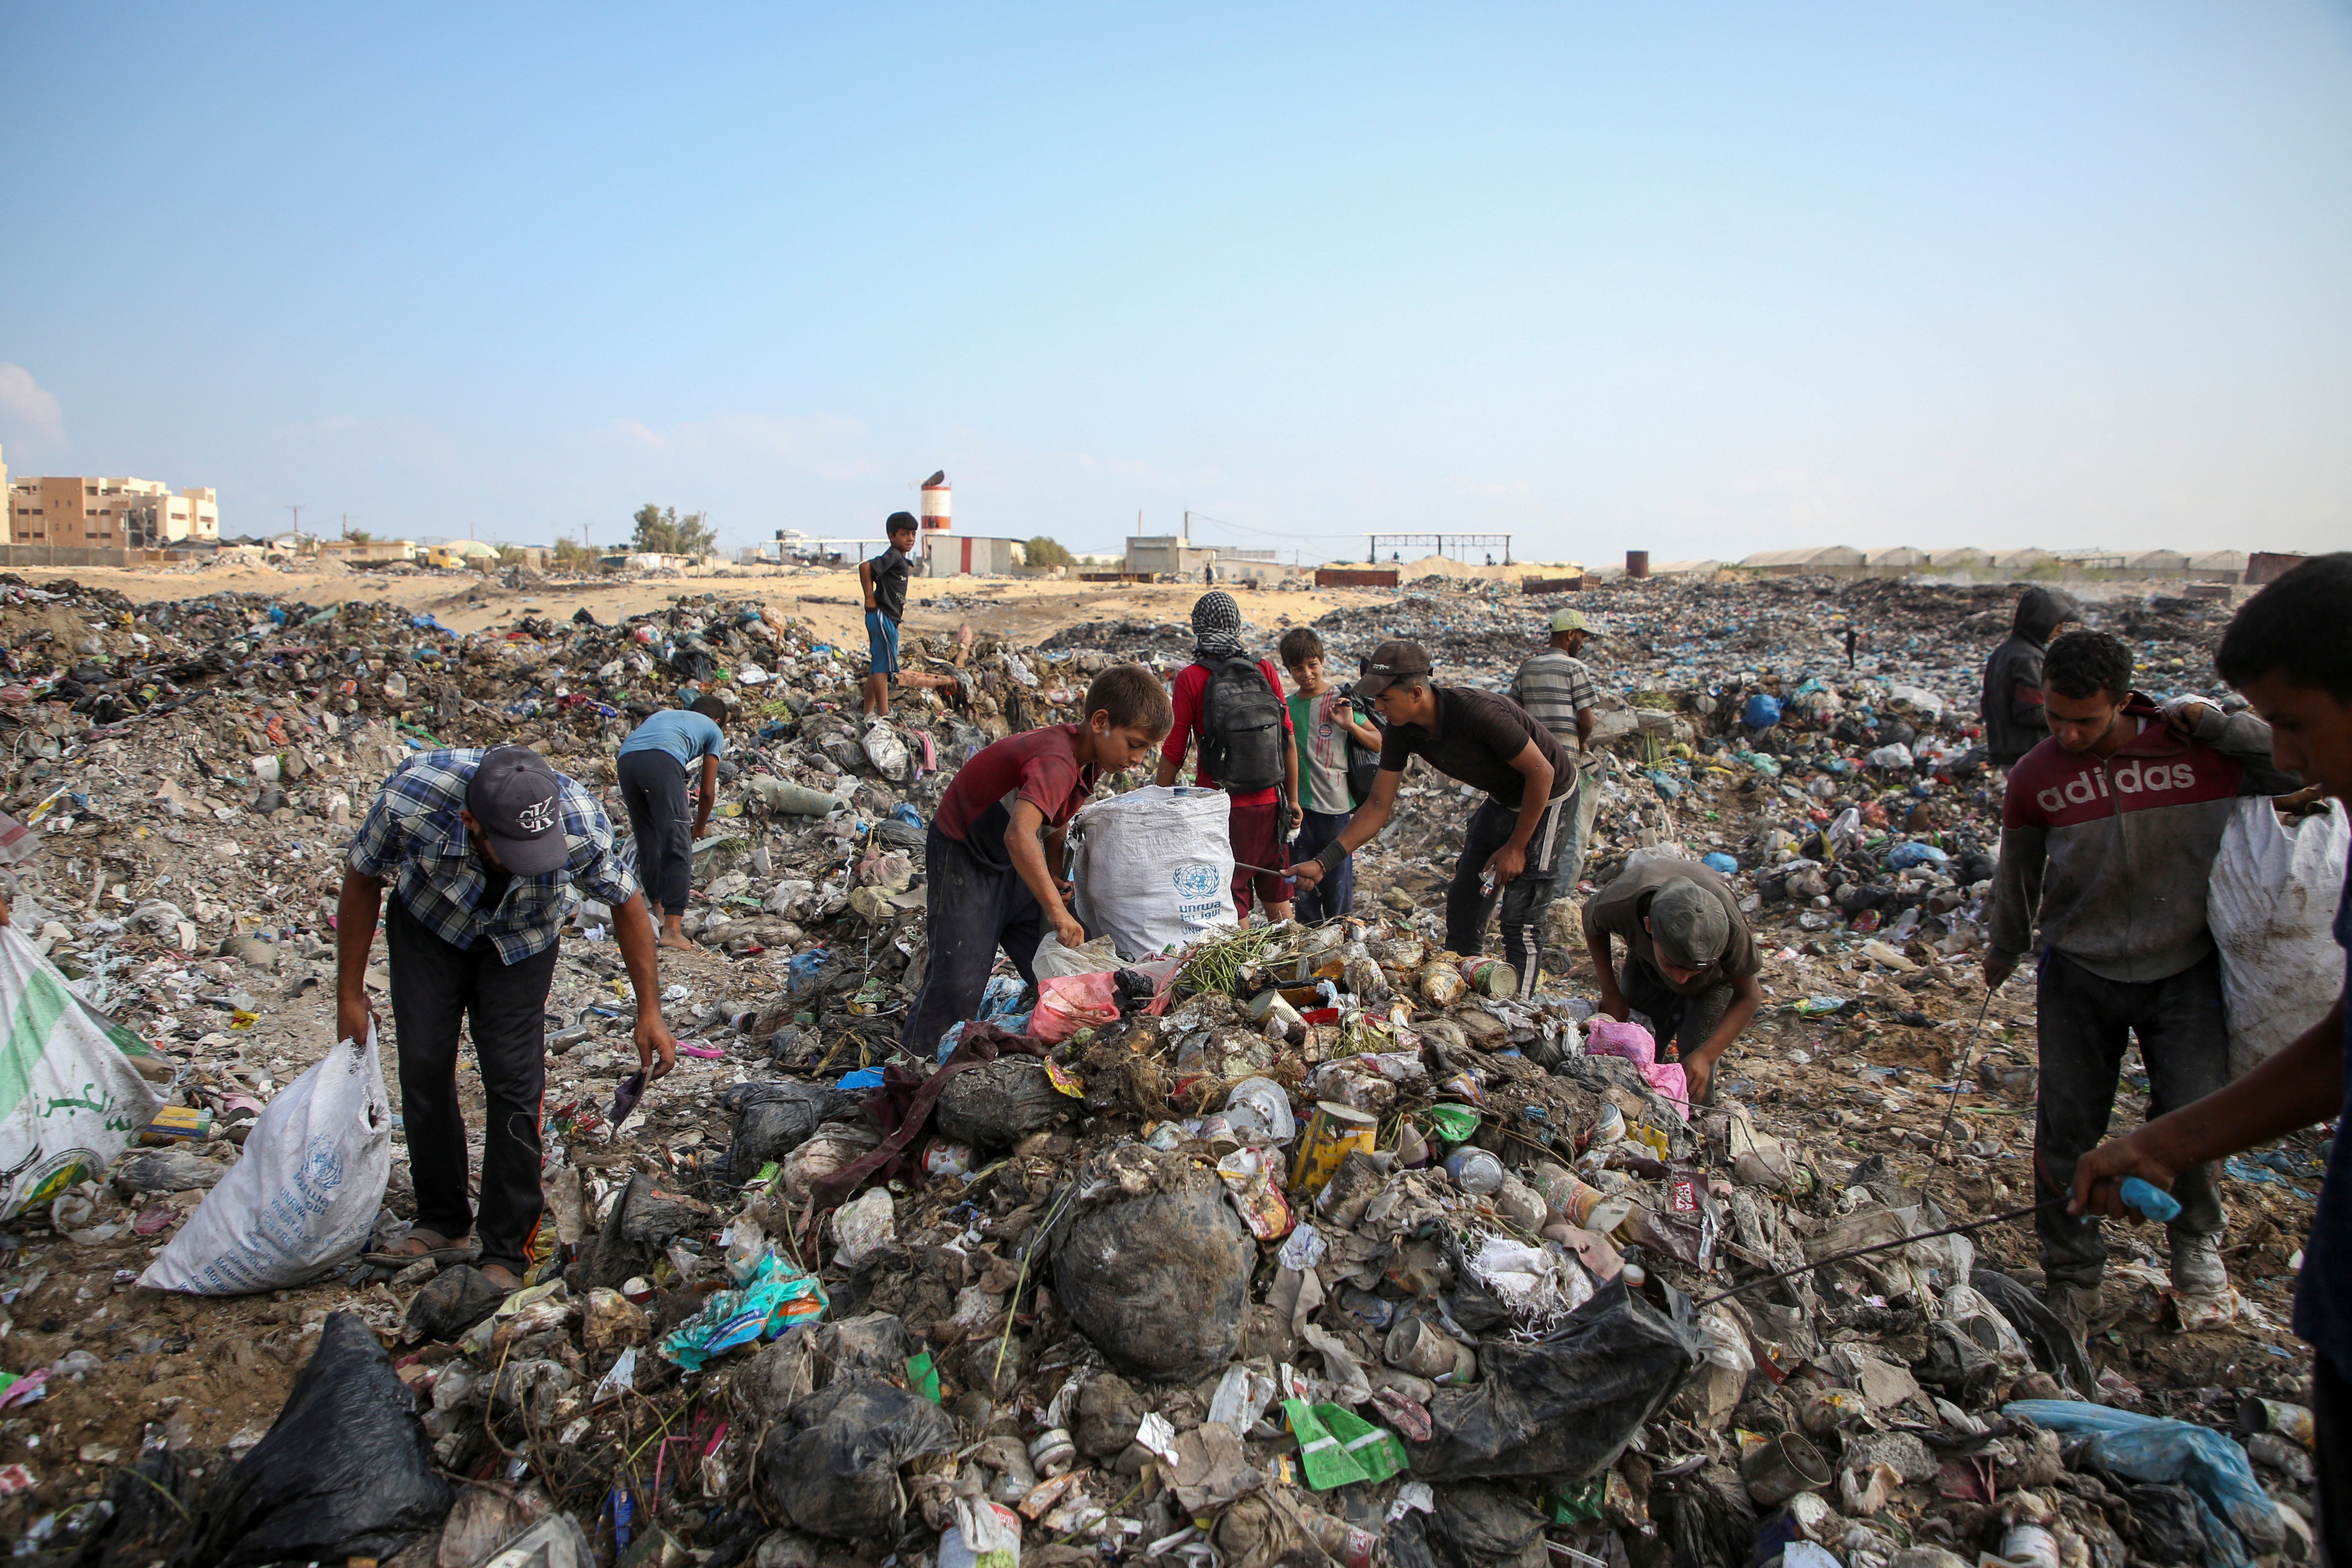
1690	961
482	849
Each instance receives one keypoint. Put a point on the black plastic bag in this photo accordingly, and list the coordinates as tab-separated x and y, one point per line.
998	1104
2055	1347
1157	1282
453	1301
1484	1526
149	1502
831	1465
1957	1367
1564	1405
345	1471
2164	1526
772	1119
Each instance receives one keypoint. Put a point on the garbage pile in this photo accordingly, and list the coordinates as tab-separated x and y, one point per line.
1292	1245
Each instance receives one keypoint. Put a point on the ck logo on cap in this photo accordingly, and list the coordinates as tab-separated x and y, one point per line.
537	816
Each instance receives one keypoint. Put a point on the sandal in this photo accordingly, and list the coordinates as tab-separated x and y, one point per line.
441	1256
448	1252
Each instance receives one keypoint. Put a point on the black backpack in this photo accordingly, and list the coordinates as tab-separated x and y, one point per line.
1241	727
1363	765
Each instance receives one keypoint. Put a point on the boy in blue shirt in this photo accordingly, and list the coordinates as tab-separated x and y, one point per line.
651	773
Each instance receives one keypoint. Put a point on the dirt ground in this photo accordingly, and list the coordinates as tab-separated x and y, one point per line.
830	600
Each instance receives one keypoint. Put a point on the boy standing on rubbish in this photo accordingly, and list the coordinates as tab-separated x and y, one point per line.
993	852
2290	652
1690	961
2014	723
1323	723
2108	833
1233	705
651	769
1510	851
1556	686
884	579
482	850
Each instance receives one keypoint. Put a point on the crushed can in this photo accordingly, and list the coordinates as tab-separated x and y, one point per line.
1333	1132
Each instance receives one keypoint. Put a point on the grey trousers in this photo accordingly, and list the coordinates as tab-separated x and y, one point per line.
2086	1024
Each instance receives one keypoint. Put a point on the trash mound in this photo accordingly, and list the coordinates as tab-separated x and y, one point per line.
1293	1245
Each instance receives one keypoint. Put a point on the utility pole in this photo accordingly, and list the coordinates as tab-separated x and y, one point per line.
297	511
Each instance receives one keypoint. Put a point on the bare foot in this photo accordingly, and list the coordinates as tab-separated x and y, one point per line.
505	1278
677	940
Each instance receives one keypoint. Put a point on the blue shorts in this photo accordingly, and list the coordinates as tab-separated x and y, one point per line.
882	642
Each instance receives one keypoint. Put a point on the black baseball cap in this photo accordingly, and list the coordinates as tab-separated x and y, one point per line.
519	801
1389	661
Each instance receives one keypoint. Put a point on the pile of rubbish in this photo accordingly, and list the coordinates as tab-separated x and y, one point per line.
1296	1245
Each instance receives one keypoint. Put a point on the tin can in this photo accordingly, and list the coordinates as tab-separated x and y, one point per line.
1349	1193
1475	1171
1611	1128
1333	1132
1490	976
2291	1421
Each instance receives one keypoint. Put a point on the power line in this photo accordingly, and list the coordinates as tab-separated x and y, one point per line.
1269	532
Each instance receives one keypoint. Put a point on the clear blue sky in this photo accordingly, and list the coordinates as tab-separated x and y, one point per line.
1704	279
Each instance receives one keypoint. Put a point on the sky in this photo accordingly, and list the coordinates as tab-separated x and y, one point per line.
1704	280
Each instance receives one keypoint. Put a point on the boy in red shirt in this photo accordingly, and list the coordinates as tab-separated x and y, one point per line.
1246	735
994	855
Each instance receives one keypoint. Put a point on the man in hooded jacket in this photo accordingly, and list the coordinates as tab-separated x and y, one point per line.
2014	723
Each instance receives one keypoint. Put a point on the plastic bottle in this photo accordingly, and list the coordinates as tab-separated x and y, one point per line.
1343	1541
1475	1171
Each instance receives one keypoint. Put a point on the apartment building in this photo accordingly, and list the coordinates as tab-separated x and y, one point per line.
85	512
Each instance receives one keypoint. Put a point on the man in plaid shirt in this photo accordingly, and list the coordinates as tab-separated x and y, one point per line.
482	849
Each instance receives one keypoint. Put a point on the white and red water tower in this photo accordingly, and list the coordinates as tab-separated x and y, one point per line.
935	515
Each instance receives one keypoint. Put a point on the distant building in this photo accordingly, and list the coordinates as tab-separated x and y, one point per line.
1176	555
86	512
2219	566
950	554
1817	560
368	550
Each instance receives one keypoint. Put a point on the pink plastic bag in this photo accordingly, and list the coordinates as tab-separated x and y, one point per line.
1607	1038
1068	1003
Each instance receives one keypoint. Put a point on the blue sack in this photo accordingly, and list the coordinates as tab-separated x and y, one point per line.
1763	711
2150	1449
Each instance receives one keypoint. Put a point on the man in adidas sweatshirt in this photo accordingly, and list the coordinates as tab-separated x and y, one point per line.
2108	834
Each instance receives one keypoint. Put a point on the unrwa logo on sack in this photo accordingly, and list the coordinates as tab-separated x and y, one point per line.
1195	881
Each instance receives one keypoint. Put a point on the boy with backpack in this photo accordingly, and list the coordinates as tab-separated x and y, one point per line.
1233	705
1329	739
